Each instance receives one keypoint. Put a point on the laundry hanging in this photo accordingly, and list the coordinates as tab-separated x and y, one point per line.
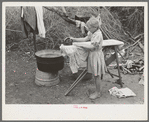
82	26
28	21
32	21
40	24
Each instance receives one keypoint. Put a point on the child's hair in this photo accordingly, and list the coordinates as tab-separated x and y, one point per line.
93	22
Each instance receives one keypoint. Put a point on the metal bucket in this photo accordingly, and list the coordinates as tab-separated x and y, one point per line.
49	60
46	78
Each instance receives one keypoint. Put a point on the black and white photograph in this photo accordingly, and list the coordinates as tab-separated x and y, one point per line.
79	58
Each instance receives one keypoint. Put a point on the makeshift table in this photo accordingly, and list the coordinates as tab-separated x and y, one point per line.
112	43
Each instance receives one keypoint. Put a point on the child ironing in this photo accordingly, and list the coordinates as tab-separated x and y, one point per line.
96	62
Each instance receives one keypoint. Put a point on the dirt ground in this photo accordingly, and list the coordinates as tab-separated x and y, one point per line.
21	87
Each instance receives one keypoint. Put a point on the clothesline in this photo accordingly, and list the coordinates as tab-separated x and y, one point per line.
14	30
19	30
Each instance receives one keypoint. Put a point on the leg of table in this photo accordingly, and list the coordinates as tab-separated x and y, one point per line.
120	80
109	73
101	76
76	82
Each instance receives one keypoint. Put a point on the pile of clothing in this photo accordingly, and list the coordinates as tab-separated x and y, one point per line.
132	67
121	93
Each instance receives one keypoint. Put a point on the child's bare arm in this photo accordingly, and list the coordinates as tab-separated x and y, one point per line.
80	39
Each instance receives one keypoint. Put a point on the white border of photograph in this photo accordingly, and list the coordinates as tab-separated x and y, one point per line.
68	112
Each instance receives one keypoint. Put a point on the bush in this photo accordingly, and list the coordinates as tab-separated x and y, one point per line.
57	29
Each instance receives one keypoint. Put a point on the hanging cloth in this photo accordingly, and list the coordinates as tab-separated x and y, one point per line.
28	20
40	23
82	26
77	55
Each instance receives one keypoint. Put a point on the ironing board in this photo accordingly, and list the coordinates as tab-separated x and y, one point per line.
112	43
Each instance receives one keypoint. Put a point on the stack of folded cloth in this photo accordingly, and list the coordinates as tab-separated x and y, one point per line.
121	93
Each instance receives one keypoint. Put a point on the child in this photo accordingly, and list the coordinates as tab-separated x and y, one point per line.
96	62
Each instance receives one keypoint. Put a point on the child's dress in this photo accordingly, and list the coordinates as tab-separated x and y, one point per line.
96	62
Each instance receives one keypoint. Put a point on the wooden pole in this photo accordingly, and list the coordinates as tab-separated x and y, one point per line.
117	61
34	39
81	76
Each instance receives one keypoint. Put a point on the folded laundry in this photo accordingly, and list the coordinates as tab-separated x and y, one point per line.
121	93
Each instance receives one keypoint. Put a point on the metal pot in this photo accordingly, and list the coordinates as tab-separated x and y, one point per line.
49	60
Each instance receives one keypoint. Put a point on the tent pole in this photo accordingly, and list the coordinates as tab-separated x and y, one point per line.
34	39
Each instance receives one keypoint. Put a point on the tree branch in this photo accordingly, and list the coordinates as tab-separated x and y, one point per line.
63	8
62	15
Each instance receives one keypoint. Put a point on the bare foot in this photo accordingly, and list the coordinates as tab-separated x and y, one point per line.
94	95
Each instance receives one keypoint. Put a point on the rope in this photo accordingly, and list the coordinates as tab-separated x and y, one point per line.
14	30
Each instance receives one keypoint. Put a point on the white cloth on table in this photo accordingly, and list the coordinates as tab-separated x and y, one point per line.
112	42
68	49
40	23
109	42
77	56
75	52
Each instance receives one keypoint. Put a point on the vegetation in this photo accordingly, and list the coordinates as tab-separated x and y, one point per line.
118	22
